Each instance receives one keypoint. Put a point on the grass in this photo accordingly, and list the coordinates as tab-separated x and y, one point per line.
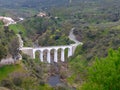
45	87
71	79
18	28
6	70
116	27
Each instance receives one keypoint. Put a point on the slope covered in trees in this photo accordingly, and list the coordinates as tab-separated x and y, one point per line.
101	74
104	73
96	24
8	42
44	31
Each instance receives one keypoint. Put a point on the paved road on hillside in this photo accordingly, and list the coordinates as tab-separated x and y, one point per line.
73	38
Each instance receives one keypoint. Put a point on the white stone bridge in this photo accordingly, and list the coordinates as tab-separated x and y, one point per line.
71	49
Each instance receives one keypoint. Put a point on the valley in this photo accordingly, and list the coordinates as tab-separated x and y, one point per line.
94	27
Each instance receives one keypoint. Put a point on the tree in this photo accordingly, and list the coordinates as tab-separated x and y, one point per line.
14	47
3	52
104	74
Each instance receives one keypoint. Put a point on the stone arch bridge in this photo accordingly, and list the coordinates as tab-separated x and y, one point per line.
71	49
31	52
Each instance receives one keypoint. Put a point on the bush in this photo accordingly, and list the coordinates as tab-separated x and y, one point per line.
6	83
104	74
17	81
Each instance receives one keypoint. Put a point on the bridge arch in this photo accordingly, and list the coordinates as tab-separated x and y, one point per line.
54	54
37	55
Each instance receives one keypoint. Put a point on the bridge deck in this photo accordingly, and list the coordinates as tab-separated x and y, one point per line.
51	47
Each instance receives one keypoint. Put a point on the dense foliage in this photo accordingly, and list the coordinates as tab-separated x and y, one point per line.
96	24
98	39
44	31
8	39
104	73
100	74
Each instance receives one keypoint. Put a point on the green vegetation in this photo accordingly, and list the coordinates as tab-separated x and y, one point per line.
100	74
8	39
97	41
104	73
3	52
78	68
17	28
6	70
27	8
15	77
97	25
41	30
1	23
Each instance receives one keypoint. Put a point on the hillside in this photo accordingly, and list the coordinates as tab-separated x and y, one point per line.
27	8
8	39
95	63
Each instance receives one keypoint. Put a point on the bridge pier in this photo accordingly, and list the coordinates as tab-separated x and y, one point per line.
55	56
33	56
41	56
62	55
70	52
48	56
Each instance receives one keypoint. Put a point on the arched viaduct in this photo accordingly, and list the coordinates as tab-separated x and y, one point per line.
71	49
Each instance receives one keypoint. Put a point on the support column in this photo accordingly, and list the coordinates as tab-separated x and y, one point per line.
33	54
74	48
48	56
41	56
70	52
62	55
55	56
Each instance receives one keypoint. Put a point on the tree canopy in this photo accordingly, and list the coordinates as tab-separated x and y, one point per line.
104	74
